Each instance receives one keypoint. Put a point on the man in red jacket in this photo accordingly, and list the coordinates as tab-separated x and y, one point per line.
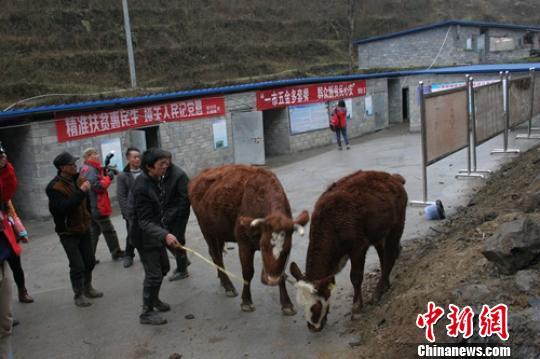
8	247
100	204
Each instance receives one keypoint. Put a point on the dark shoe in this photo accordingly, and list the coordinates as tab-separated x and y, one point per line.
162	306
150	317
128	261
16	322
118	254
340	148
96	261
24	297
348	147
91	292
178	275
81	301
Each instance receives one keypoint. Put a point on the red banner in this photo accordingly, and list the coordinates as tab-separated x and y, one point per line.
82	125
301	95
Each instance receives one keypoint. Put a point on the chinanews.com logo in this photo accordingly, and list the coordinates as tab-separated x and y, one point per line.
491	321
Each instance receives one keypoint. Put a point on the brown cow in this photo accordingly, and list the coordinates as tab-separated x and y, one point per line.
247	205
363	209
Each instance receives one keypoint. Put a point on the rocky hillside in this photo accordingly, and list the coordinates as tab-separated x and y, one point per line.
502	223
75	46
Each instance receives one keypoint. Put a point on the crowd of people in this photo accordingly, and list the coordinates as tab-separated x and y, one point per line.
152	194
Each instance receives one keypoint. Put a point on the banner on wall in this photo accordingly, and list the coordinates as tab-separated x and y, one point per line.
82	125
308	94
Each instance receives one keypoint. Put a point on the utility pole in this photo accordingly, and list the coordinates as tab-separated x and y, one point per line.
129	44
351	9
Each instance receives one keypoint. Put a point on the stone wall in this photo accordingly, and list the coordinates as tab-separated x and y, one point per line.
421	49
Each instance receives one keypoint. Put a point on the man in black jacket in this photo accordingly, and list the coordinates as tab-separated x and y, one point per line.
148	233
176	213
125	181
68	196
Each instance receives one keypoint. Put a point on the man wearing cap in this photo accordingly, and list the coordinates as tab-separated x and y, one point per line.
100	203
68	205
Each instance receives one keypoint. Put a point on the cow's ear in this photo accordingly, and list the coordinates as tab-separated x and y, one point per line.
303	218
296	272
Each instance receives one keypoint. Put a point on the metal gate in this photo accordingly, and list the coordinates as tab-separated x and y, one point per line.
248	137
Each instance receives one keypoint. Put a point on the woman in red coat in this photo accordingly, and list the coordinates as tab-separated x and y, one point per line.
339	120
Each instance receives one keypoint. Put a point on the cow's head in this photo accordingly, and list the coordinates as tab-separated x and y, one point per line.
275	232
314	296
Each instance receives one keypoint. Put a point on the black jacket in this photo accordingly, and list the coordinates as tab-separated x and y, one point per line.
147	230
176	201
69	205
124	183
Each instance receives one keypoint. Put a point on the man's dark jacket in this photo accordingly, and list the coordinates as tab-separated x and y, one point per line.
147	231
124	183
69	205
176	201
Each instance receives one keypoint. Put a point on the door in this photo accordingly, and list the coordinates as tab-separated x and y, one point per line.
248	137
405	104
379	111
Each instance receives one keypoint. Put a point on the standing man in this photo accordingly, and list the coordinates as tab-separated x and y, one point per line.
100	203
124	185
8	247
176	213
68	205
148	233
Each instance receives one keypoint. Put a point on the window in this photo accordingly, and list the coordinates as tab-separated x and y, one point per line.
528	38
469	43
501	44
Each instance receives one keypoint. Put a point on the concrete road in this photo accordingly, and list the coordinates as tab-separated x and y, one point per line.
53	327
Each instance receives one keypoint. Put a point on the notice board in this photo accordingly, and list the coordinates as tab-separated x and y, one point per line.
306	118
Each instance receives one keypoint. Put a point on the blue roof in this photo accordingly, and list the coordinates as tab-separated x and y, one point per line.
132	101
444	24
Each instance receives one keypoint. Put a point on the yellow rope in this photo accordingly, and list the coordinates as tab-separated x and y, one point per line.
179	246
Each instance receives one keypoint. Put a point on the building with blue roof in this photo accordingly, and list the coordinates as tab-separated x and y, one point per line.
449	43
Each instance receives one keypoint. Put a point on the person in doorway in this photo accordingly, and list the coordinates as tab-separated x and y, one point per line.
100	203
68	204
148	233
339	120
15	261
176	213
8	247
124	185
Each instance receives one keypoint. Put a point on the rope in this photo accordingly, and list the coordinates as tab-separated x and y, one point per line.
221	269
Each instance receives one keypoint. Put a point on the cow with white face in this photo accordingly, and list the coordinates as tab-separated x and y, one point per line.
360	210
247	205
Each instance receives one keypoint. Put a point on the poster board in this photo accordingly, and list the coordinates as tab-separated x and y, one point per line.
306	118
489	112
109	145
446	123
219	129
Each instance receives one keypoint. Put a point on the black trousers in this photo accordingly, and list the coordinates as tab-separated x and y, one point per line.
80	253
130	250
18	273
156	266
104	225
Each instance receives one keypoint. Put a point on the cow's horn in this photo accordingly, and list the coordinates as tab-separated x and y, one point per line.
298	228
257	221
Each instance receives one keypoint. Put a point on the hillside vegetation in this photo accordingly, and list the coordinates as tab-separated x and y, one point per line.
75	46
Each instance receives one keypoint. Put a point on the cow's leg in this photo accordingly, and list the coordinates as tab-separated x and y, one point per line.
287	308
357	276
217	257
391	252
246	260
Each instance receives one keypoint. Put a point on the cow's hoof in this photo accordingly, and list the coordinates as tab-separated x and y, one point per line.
356	308
247	307
288	311
231	293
